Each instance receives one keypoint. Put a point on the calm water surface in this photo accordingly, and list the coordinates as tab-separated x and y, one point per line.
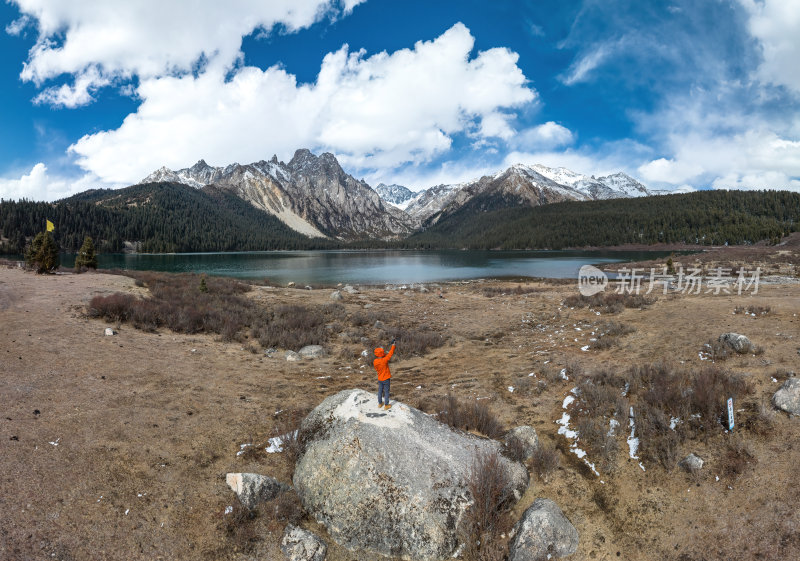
372	267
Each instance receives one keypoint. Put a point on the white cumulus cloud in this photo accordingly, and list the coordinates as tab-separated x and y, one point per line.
39	185
373	112
776	24
97	42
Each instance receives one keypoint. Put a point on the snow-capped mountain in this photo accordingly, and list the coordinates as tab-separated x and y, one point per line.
396	195
521	185
311	194
616	186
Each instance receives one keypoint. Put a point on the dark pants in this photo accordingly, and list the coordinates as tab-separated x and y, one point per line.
383	391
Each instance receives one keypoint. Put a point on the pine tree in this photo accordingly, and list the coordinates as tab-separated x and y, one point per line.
87	256
43	253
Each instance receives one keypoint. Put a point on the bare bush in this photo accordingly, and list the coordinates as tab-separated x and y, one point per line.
116	307
417	341
609	334
472	415
287	428
545	460
492	291
491	493
611	302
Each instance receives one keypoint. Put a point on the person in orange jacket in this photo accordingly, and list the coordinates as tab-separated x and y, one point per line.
381	364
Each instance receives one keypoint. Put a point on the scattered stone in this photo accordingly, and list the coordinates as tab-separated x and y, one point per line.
109	332
401	470
270	352
525	437
301	545
252	488
336	295
309	288
349	289
787	398
292	356
543	532
380	325
738	343
290	285
312	351
692	463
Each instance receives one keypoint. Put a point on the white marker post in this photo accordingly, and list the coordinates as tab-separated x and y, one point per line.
730	413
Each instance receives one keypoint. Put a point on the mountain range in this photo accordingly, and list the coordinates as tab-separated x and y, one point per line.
314	196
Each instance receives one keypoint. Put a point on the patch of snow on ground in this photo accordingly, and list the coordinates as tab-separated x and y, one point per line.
242	448
633	441
570	434
585	348
276	443
674	422
612	427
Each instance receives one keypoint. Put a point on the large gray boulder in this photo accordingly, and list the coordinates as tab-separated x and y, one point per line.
301	545
738	343
787	397
543	532
389	483
252	488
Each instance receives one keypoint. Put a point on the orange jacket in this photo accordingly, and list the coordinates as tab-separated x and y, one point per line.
381	363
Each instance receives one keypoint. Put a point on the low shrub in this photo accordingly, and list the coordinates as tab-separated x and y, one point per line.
417	341
487	517
545	460
116	307
610	302
291	327
519	290
472	415
287	428
752	310
609	334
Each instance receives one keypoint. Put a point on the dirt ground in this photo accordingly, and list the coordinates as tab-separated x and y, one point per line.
116	447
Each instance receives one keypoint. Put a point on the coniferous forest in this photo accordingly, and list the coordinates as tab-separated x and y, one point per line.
166	218
702	217
160	218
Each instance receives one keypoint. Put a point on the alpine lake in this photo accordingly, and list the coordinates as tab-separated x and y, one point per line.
328	268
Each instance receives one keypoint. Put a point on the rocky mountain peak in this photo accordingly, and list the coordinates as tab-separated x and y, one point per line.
394	194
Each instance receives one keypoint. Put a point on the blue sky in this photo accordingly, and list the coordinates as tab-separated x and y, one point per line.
683	94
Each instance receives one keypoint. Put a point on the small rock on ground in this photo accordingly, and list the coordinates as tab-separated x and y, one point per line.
301	545
292	356
312	351
738	343
692	463
252	488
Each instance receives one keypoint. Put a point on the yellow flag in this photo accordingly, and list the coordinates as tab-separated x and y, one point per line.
50	226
